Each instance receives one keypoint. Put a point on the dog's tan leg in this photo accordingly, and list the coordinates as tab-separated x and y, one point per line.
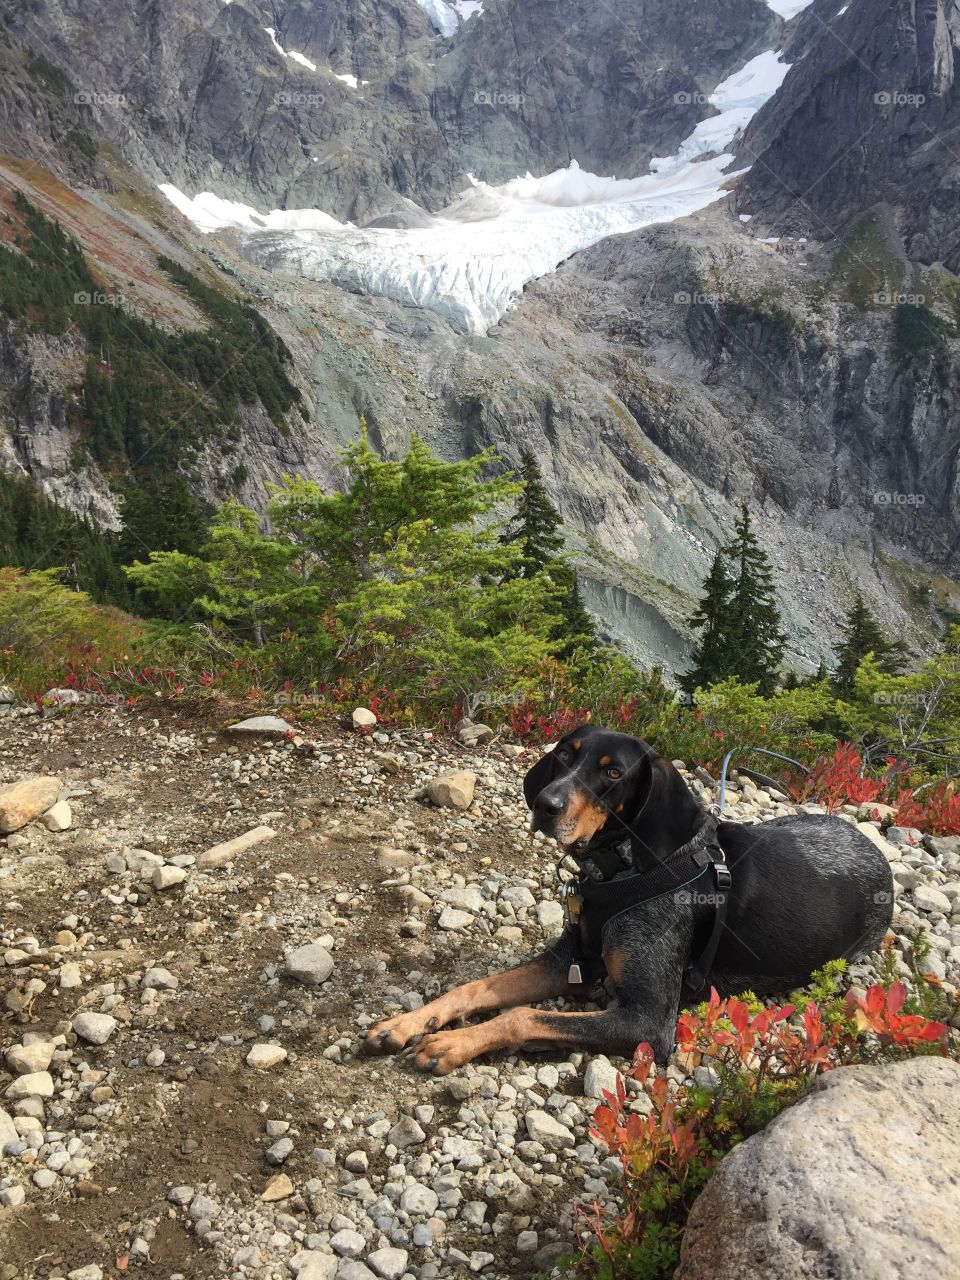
531	982
444	1051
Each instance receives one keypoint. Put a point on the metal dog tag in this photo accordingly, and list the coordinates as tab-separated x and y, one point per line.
574	975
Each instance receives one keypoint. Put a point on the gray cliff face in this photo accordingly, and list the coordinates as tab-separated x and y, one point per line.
195	92
869	112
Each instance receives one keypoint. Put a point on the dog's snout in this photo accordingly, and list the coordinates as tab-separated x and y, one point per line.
549	803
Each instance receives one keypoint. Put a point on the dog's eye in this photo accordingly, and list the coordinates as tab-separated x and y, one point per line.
614	773
563	754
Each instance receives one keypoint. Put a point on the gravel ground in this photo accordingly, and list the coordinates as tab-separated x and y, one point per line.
186	1093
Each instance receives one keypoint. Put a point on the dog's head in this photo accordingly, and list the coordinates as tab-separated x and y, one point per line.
593	779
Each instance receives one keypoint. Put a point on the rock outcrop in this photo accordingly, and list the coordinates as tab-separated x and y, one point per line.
858	1181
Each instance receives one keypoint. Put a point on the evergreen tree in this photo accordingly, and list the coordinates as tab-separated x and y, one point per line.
535	526
711	657
738	617
534	529
862	634
756	640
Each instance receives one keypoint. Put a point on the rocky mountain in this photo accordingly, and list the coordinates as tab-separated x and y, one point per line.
793	345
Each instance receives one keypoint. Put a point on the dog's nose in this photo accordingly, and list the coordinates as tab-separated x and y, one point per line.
549	804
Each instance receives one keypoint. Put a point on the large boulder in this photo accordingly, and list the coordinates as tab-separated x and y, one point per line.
859	1181
21	802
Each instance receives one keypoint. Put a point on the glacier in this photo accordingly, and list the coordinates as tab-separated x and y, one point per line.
472	260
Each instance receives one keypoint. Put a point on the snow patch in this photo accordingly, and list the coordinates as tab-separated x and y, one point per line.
788	8
209	213
294	57
442	16
467	8
352	81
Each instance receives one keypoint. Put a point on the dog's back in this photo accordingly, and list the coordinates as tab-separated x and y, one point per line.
806	889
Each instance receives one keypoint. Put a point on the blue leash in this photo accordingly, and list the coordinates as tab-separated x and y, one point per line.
776	755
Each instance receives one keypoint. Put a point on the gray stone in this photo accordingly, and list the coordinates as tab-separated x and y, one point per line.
310	1264
8	1130
858	1181
467	898
279	1151
310	964
419	1200
600	1074
95	1028
550	916
543	1128
389	1264
12	1197
349	1244
90	1272
406	1133
517	895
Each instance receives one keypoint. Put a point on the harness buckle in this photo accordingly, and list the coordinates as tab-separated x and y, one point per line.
724	878
572	903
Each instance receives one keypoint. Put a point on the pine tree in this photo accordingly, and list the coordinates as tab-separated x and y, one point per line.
755	637
535	526
738	616
534	529
862	634
711	657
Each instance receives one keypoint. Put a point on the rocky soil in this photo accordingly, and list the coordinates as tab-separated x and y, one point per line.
186	1093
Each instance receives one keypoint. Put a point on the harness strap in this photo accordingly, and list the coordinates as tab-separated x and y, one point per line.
608	899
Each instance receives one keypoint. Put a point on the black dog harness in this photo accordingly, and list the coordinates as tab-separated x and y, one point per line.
603	891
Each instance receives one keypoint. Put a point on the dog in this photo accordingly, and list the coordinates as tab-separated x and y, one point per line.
802	891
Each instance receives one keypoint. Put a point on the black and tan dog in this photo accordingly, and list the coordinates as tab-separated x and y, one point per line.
803	890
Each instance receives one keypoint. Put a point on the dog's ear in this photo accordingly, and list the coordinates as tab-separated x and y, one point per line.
538	777
639	782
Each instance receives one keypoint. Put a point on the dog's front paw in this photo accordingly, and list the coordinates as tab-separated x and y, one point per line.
443	1051
397	1033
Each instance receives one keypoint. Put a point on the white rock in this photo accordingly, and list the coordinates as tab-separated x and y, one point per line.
22	1059
929	899
310	964
263	724
160	980
166	877
265	1055
363	718
12	1197
59	817
8	1130
517	895
349	1244
38	1084
70	976
550	916
452	919
419	1200
96	1028
310	1264
467	898
453	790
90	1272
220	854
